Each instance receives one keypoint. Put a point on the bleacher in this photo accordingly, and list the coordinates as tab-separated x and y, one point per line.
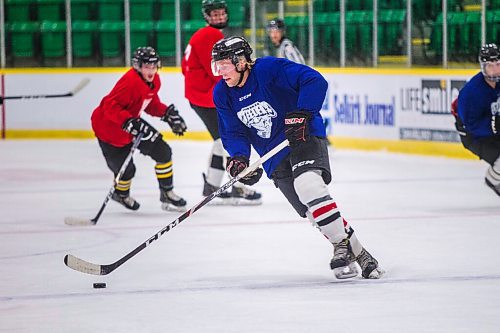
36	29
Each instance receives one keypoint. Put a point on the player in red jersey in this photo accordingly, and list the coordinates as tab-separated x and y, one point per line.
199	83
117	120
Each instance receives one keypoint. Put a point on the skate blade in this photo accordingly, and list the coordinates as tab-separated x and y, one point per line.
346	272
221	202
171	208
377	273
245	202
77	221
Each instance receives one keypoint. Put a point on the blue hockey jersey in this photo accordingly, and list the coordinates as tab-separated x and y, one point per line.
477	101
255	113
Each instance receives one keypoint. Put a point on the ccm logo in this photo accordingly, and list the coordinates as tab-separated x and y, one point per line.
302	163
291	121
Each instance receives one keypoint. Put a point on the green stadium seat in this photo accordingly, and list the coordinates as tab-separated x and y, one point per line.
189	28
359	32
494	5
392	4
140	33
50	10
456	22
493	26
297	31
195	10
18	10
390	30
237	11
357	5
83	10
142	10
470	36
111	38
83	36
110	10
53	38
165	38
332	6
167	9
23	35
327	36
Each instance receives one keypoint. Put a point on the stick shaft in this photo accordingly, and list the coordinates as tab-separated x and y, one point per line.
75	90
136	144
90	268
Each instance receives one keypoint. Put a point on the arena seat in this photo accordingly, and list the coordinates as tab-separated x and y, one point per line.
83	34
165	38
23	36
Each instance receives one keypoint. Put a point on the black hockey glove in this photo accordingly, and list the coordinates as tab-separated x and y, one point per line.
174	120
297	127
495	124
237	164
135	126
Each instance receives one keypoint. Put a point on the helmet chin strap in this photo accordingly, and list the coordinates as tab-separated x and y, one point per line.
242	73
218	25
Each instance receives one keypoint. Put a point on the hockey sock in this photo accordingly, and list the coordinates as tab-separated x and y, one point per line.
313	192
164	174
216	168
355	243
122	188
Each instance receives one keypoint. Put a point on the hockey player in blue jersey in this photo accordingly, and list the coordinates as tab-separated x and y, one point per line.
261	103
478	113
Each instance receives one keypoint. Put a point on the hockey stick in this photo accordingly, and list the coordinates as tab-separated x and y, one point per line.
95	269
73	92
79	221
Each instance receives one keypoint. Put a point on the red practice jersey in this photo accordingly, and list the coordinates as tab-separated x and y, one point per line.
199	81
129	97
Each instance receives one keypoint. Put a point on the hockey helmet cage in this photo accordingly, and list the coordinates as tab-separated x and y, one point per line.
208	5
489	53
277	24
231	48
145	55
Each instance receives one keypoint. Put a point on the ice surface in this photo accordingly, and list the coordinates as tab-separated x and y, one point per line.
431	223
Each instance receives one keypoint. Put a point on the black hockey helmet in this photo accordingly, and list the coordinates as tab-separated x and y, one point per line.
277	24
208	5
231	48
145	55
487	54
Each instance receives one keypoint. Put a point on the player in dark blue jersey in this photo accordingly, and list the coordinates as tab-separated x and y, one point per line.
261	103
478	113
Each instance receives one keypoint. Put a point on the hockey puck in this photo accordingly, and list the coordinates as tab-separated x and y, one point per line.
99	285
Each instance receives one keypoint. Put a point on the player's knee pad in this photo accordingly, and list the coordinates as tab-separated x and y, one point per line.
218	148
217	158
161	152
311	188
129	172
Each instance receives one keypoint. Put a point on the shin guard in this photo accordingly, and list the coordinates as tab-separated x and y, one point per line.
313	192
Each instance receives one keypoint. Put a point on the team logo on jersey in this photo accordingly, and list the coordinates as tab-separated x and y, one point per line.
495	107
258	115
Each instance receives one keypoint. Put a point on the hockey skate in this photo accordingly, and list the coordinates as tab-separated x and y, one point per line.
492	180
222	199
369	266
171	201
343	262
126	201
245	196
